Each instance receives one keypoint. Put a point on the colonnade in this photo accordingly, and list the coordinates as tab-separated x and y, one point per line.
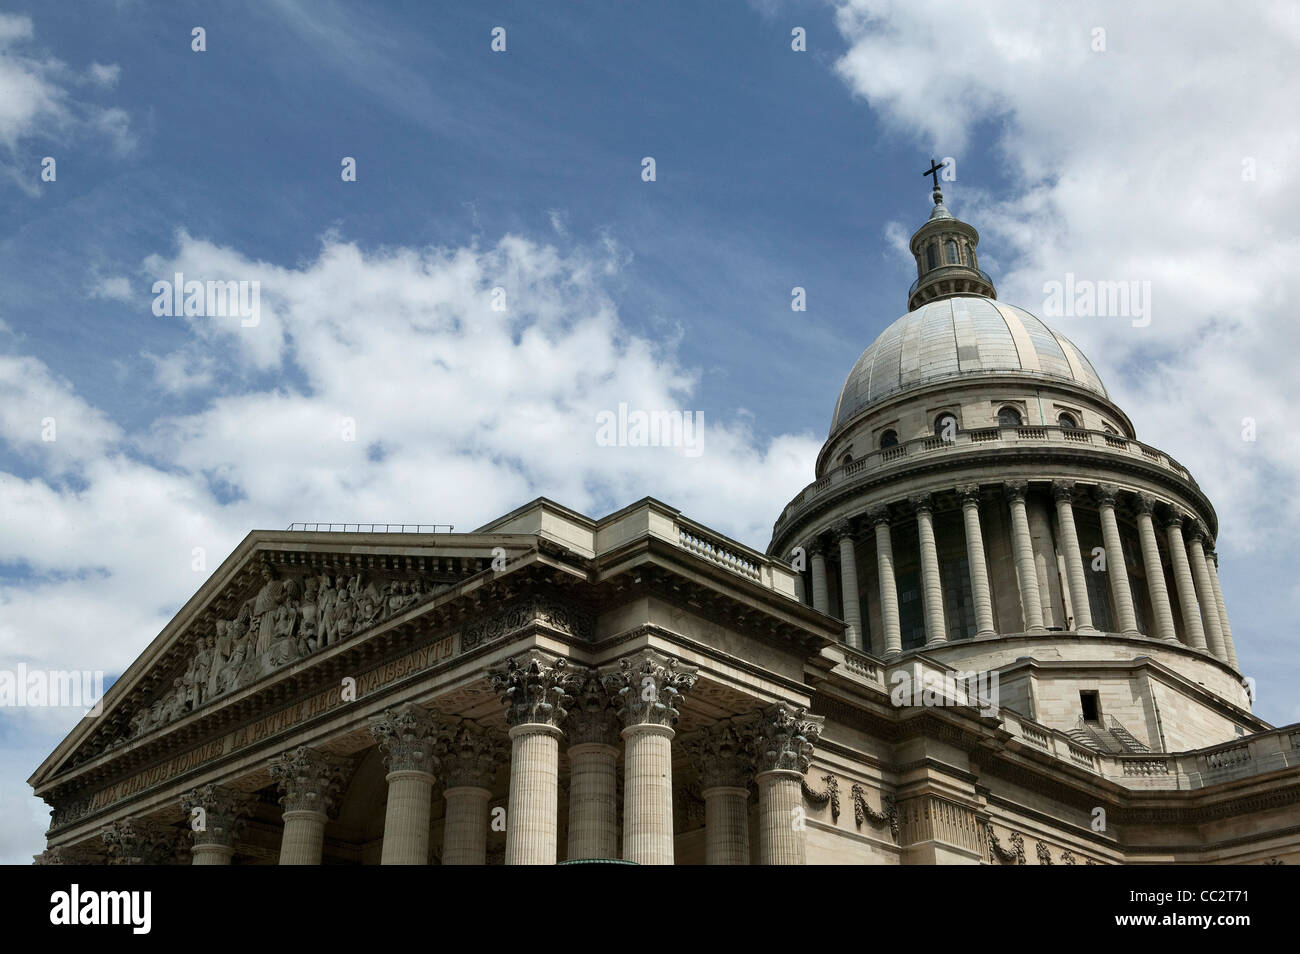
1195	568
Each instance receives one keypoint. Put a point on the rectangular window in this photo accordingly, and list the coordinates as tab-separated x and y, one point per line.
958	603
1091	706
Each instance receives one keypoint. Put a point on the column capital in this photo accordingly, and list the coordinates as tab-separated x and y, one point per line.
407	735
969	494
217	815
1106	494
1198	531
921	503
533	689
1213	557
783	738
469	755
1015	489
879	514
1063	490
310	781
1146	503
816	546
593	717
135	841
67	855
723	755
1173	517
649	687
842	528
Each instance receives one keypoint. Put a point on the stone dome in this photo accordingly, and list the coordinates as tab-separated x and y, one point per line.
960	336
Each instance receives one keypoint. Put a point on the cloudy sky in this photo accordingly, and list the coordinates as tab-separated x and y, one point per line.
1160	149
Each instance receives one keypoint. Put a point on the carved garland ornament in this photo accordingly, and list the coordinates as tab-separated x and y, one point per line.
863	812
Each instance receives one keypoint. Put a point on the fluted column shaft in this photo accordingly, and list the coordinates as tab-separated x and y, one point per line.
726	826
1155	573
849	587
648	794
780	798
936	630
464	840
820	593
1073	557
406	819
593	801
981	594
532	825
303	840
1193	631
1023	548
783	749
1116	568
217	816
1205	596
213	854
1223	612
888	587
310	782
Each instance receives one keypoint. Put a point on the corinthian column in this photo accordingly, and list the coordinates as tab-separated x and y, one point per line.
1063	492
469	755
1116	568
1205	594
407	735
888	588
1155	570
817	560
216	817
936	630
536	701
843	532
783	750
724	764
649	688
135	841
1223	610
979	570
593	729
1023	547
1193	632
310	783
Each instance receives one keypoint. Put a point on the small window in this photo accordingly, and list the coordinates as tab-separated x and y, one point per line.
1067	420
971	253
931	257
888	439
945	426
1109	430
1009	417
951	248
846	460
1091	706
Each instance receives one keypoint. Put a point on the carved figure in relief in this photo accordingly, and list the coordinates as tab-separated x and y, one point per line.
308	622
396	598
325	606
202	670
345	613
221	646
261	608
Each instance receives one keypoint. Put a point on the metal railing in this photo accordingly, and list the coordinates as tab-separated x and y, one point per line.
370	527
937	272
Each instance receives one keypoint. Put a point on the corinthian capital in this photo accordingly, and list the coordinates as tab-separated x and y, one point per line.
216	814
134	841
309	781
470	755
969	494
1063	490
533	690
407	735
722	755
879	515
649	688
1015	489
593	716
1107	494
1146	503
784	737
921	503
842	529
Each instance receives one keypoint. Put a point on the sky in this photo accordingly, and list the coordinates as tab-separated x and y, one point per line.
435	338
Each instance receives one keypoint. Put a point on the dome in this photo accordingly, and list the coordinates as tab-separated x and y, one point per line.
956	337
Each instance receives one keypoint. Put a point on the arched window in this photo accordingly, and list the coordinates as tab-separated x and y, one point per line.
846	460
951	248
1009	417
1067	420
888	439
1108	429
931	258
945	426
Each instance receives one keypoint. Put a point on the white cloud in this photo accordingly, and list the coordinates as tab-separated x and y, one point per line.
104	75
113	287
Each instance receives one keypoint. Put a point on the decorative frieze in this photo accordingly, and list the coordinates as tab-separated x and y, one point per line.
522	613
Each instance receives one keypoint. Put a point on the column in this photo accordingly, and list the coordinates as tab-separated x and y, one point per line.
1193	632
1063	492
1116	568
1023	548
843	532
817	559
136	841
783	748
407	735
1164	622
593	733
724	765
470	756
649	688
310	783
936	631
1205	594
216	816
1223	611
981	594
536	700
879	518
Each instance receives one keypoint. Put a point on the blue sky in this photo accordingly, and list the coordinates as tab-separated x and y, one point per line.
475	169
